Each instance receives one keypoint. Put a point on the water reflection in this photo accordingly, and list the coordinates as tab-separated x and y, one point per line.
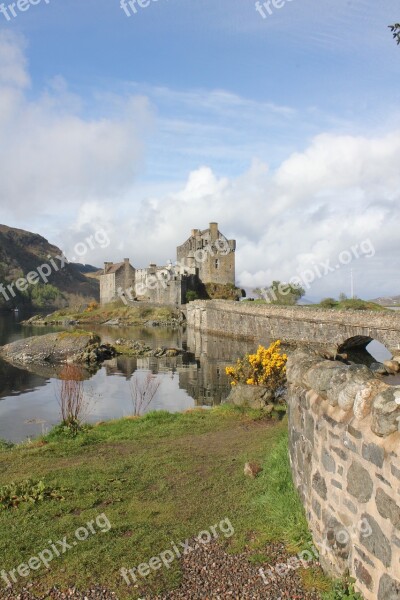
28	397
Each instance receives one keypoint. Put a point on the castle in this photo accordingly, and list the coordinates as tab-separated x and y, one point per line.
206	257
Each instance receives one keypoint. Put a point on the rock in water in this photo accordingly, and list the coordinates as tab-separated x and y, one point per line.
56	348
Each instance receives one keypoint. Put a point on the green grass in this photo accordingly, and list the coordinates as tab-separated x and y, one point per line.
349	304
161	478
129	315
284	515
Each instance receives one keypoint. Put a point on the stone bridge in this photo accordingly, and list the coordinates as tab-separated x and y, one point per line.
261	323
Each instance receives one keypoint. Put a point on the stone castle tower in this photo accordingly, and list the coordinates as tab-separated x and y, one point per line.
211	253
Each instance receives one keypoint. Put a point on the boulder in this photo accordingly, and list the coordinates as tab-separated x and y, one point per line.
252	469
321	376
365	397
391	366
378	368
251	396
386	411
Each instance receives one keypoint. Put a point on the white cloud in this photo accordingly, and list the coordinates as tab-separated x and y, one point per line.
69	174
330	198
51	152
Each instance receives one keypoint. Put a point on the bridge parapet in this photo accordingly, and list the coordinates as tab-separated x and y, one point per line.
344	443
263	322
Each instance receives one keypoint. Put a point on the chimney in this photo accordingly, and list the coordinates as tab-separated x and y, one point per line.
106	266
214	231
194	232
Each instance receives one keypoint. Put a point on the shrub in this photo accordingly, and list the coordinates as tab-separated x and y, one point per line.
328	303
72	399
343	589
143	392
191	295
92	306
12	495
267	367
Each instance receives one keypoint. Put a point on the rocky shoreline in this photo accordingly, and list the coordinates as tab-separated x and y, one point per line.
81	347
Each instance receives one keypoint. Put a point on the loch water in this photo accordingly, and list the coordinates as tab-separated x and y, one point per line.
29	402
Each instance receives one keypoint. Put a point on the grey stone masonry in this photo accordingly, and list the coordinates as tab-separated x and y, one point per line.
344	446
265	322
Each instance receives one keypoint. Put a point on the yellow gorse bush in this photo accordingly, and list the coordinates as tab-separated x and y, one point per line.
267	367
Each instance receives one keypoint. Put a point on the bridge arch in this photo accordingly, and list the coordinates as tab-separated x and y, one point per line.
359	342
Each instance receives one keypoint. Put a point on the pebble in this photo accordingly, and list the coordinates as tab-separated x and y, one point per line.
208	573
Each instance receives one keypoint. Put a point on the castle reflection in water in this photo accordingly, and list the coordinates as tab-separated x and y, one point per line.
201	368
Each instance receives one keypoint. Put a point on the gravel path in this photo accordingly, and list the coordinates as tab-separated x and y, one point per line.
209	573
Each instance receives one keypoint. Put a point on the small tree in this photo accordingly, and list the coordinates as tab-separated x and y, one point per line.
71	397
143	392
285	294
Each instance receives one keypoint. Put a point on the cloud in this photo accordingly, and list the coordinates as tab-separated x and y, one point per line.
70	166
51	152
340	192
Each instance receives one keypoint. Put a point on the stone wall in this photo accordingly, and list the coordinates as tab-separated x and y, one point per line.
345	456
265	322
107	288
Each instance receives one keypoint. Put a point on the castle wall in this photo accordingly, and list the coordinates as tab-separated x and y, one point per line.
107	288
344	443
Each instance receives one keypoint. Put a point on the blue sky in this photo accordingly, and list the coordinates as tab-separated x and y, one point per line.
286	130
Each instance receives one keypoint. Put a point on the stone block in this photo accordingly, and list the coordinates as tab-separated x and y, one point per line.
395	471
376	543
347	443
389	589
309	427
364	556
316	506
319	485
352	508
327	461
336	484
354	432
387	508
374	454
339	452
386	411
392	366
362	574
365	396
359	482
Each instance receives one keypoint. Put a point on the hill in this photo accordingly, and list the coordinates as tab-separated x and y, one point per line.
23	252
388	301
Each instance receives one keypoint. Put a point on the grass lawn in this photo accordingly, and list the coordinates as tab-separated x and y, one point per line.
130	315
159	479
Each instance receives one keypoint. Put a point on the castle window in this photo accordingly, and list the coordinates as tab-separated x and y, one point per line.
217	263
